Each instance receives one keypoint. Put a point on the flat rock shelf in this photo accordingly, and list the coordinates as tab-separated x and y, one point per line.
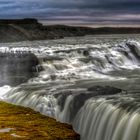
25	124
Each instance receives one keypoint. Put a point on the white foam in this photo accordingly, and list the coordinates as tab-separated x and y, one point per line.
3	90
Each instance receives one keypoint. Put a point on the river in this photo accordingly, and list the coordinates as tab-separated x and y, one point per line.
74	84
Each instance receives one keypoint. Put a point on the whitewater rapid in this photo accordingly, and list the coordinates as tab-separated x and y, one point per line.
75	85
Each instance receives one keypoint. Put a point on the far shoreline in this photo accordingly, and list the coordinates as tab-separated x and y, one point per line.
28	29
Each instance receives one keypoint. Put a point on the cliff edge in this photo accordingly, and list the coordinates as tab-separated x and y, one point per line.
17	68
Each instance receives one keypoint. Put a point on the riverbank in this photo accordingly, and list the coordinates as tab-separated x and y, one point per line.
25	124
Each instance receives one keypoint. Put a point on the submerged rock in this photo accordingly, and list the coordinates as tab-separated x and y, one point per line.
106	90
25	124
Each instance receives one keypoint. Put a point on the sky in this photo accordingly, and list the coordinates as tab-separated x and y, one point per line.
74	12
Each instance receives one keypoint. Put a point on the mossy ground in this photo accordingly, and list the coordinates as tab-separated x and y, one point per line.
26	124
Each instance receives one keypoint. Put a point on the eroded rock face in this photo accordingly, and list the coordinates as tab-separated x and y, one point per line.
17	68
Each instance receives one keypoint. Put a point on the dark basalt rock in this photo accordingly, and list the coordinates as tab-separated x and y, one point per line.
107	90
94	91
80	97
17	68
134	50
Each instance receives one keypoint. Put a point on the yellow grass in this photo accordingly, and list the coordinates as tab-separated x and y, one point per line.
20	123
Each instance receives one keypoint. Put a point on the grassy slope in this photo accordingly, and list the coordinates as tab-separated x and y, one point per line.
27	124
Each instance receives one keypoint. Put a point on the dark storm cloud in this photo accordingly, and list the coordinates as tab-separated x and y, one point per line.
82	11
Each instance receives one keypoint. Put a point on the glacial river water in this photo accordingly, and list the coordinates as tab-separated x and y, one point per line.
75	84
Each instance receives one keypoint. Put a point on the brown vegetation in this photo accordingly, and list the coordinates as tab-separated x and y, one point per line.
19	123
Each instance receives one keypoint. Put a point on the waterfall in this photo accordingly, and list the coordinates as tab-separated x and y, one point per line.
67	87
94	114
100	120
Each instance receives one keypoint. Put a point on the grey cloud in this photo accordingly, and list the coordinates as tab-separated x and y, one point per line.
81	10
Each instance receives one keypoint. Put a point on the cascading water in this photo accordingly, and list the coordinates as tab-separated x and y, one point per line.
67	90
104	120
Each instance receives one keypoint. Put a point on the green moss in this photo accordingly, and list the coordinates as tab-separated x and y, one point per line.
26	124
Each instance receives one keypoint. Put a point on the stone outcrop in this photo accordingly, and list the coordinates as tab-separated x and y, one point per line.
31	29
16	68
19	123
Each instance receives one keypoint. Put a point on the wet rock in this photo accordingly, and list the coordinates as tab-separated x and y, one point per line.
80	97
134	50
85	53
106	90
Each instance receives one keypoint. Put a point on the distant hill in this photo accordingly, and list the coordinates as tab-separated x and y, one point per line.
30	29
